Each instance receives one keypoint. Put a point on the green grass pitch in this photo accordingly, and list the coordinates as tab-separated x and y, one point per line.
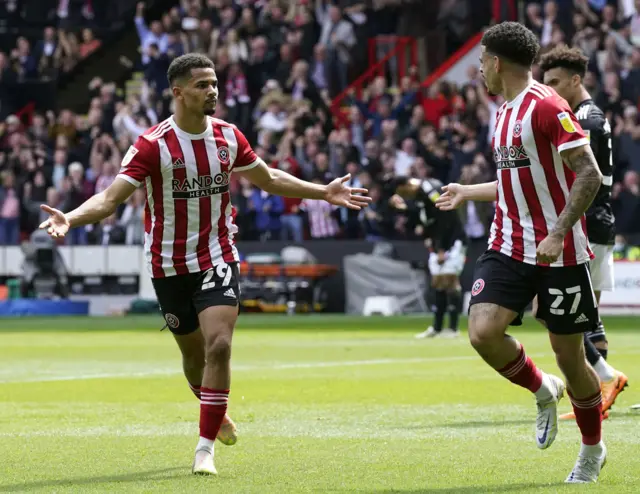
323	404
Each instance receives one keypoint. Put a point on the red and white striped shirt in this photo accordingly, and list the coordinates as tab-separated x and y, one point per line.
322	223
189	224
533	182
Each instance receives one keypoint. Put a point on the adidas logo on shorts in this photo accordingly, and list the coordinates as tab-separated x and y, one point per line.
581	318
231	293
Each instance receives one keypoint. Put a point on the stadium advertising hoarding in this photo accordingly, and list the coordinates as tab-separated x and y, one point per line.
97	261
627	288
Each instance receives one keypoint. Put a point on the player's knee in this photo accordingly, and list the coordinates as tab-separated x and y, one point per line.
482	335
481	340
485	330
219	349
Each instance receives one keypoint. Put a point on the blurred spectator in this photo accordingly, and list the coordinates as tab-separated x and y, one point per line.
323	224
627	203
153	34
237	100
89	43
77	190
8	75
338	38
155	70
243	202
107	232
292	225
132	219
9	210
373	216
269	209
454	17
25	61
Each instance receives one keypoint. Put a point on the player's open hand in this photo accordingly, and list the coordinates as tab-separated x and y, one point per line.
452	197
57	225
339	194
549	249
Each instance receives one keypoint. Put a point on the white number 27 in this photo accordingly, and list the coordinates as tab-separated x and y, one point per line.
222	271
559	294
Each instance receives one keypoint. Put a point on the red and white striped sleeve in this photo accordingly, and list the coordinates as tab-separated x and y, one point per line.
140	159
554	119
246	159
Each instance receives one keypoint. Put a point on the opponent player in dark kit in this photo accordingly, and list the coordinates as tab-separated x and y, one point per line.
446	239
564	69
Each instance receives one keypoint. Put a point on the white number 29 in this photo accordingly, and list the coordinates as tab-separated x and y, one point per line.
559	294
222	271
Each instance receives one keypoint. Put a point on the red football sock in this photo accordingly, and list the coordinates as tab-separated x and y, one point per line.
523	372
213	407
194	389
589	417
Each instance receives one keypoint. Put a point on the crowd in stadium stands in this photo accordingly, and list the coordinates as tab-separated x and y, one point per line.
279	65
59	49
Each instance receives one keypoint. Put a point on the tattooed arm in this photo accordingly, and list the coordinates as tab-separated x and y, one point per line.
587	183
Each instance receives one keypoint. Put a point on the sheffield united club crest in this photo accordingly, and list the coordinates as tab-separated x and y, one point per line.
223	155
517	129
477	287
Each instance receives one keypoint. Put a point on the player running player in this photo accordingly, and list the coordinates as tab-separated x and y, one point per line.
564	69
443	230
185	163
547	178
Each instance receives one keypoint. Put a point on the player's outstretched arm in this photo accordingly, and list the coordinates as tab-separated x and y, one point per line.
587	183
454	195
93	210
281	183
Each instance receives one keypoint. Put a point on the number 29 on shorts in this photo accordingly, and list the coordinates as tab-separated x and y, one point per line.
221	272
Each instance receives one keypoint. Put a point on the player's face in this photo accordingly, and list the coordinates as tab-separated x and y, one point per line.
489	70
404	191
200	94
408	190
564	83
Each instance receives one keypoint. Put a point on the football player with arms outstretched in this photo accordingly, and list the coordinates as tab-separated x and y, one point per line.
185	163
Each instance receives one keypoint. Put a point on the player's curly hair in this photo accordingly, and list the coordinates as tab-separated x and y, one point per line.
512	41
571	59
182	65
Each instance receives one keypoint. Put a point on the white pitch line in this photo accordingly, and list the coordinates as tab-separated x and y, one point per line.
83	377
249	368
264	367
352	363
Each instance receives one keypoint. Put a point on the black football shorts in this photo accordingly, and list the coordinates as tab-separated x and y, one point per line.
566	301
183	297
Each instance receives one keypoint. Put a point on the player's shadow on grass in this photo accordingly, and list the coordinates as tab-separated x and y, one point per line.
475	489
160	475
470	424
485	423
